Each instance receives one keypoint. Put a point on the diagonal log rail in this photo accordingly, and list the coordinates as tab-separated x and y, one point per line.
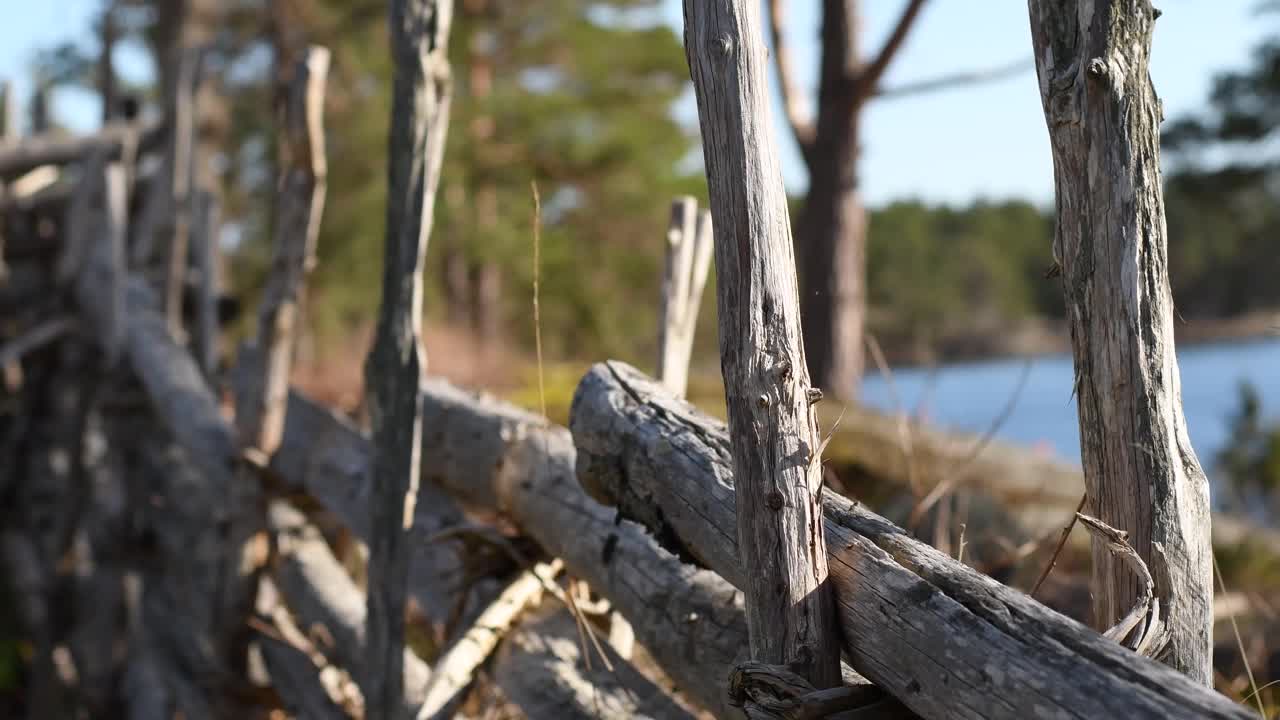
944	639
492	455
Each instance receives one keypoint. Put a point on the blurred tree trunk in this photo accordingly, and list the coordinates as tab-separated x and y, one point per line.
486	276
106	66
833	224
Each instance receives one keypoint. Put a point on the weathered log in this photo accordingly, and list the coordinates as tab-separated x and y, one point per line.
178	392
542	663
456	669
328	457
297	680
58	149
1140	471
94	253
772	424
493	455
419	122
942	638
264	395
329	606
331	609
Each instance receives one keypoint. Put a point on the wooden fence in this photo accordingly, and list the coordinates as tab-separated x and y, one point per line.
172	556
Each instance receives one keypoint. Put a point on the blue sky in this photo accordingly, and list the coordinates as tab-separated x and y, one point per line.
951	146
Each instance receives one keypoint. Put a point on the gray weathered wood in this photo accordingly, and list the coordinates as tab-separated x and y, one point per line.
419	122
204	240
942	638
182	166
495	456
772	424
542	664
94	253
260	411
57	149
331	610
673	363
297	680
178	392
456	668
1141	473
329	607
329	458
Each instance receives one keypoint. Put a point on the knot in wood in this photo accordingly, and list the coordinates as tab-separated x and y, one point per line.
814	395
726	45
763	401
774	500
1097	67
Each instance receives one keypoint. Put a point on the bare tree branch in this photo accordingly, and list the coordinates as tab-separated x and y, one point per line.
955	80
793	101
868	77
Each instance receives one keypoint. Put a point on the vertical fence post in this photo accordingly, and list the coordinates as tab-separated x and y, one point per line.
419	122
773	429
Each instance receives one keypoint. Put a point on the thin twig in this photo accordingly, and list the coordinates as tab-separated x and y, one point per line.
957	474
1235	628
537	318
1062	541
904	426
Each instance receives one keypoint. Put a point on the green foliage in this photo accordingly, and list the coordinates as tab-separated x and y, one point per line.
933	270
1250	463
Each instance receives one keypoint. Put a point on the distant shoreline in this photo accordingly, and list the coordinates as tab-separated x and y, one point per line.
1039	338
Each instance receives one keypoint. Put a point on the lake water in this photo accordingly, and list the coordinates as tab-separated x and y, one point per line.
971	396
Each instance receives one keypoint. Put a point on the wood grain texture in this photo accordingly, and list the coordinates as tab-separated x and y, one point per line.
419	122
260	410
945	640
773	429
492	455
1140	471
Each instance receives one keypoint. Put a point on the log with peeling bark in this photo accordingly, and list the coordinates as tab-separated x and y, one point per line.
419	123
1140	471
942	638
493	455
58	149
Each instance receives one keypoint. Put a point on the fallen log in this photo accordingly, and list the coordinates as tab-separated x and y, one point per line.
942	638
56	149
541	665
328	457
493	455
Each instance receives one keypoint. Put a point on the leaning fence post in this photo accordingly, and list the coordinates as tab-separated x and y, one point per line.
1141	474
773	429
419	122
260	410
688	257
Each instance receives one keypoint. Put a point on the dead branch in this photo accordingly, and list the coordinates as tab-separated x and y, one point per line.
793	102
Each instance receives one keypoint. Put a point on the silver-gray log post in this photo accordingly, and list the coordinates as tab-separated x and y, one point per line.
260	410
773	428
688	258
1141	474
419	122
